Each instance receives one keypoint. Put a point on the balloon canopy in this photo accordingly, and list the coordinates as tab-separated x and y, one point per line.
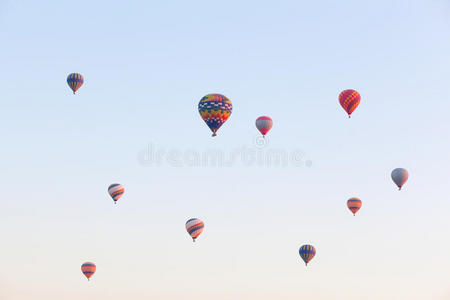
116	191
399	176
88	269
194	227
215	109
307	252
349	100
75	81
354	204
264	124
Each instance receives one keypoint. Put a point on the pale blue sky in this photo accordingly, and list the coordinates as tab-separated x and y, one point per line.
146	66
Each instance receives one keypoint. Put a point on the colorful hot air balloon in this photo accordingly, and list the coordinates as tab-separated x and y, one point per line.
215	109
264	124
399	176
194	227
75	81
307	252
354	204
349	100
88	269
116	191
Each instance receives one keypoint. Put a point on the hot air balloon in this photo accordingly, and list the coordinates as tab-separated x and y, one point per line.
399	176
75	81
307	252
264	124
116	191
88	269
349	100
354	204
194	227
215	109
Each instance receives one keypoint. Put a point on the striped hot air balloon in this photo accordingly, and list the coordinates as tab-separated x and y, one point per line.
116	191
307	252
194	227
354	204
75	81
349	100
399	176
215	109
264	124
88	269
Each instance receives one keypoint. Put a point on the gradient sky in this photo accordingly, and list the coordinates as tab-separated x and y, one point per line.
146	65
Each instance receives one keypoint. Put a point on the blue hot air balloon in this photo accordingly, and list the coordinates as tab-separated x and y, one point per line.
75	81
307	252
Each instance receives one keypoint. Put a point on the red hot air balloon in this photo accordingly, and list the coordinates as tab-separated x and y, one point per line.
354	204
349	100
264	124
88	269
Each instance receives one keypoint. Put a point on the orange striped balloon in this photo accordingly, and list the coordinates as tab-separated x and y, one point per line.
88	269
349	100
354	204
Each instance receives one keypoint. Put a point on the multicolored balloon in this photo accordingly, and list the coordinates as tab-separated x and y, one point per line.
75	81
307	252
349	100
399	176
215	109
264	124
194	227
88	269
354	204
116	191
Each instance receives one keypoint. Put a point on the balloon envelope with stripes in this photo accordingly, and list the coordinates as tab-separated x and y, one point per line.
349	100
194	227
116	191
264	124
307	252
88	269
75	81
354	204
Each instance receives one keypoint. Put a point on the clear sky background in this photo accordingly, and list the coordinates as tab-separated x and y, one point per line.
146	65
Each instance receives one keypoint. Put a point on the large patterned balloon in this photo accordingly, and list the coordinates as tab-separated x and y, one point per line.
264	124
307	252
88	269
354	204
215	109
116	191
194	227
349	100
75	81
